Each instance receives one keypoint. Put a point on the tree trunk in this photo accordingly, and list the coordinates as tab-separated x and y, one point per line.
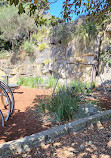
96	60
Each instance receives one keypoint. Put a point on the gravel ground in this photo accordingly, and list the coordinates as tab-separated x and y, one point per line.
94	142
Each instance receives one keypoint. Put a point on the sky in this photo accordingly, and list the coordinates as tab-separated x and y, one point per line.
56	8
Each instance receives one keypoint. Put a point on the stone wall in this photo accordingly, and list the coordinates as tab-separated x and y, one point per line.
50	60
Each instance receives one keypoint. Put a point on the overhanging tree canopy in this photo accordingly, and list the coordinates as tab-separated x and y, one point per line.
70	7
34	8
92	8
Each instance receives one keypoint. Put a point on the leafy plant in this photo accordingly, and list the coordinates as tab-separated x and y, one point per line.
62	104
29	47
52	81
34	37
79	87
32	81
3	54
13	26
42	46
105	53
46	61
29	81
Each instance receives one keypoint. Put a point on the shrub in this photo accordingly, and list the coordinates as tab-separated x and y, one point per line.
42	46
62	105
28	81
3	55
28	47
46	61
34	38
79	87
52	81
31	81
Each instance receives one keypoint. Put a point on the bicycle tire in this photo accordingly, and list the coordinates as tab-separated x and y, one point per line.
2	117
8	89
4	93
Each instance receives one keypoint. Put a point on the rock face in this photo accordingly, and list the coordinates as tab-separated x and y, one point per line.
50	60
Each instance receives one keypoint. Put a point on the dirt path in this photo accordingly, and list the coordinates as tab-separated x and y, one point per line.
90	143
23	121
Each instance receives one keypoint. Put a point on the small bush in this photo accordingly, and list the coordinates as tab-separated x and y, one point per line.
42	46
28	81
31	81
34	36
79	87
46	61
29	47
62	105
52	81
3	55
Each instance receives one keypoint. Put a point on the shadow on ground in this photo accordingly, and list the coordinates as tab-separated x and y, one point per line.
22	124
104	91
90	143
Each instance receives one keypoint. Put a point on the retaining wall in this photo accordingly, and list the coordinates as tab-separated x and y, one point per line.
27	143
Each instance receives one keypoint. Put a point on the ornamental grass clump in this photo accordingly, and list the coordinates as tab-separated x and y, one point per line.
29	81
62	104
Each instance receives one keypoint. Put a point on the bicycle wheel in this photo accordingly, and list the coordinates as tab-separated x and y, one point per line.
2	118
7	88
5	103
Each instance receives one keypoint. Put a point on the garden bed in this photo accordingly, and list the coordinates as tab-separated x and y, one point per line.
25	121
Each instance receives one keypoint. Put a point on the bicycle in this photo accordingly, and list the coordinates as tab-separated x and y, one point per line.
9	91
7	101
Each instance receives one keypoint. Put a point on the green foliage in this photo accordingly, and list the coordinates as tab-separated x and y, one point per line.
52	81
42	46
109	62
87	30
80	87
63	105
51	32
46	61
31	81
86	34
94	10
65	34
43	30
29	47
34	37
36	5
4	45
13	26
3	55
105	54
42	33
28	81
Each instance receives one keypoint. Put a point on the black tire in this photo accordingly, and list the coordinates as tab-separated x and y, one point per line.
2	117
5	102
7	88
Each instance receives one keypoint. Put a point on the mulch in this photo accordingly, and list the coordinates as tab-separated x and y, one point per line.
24	122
